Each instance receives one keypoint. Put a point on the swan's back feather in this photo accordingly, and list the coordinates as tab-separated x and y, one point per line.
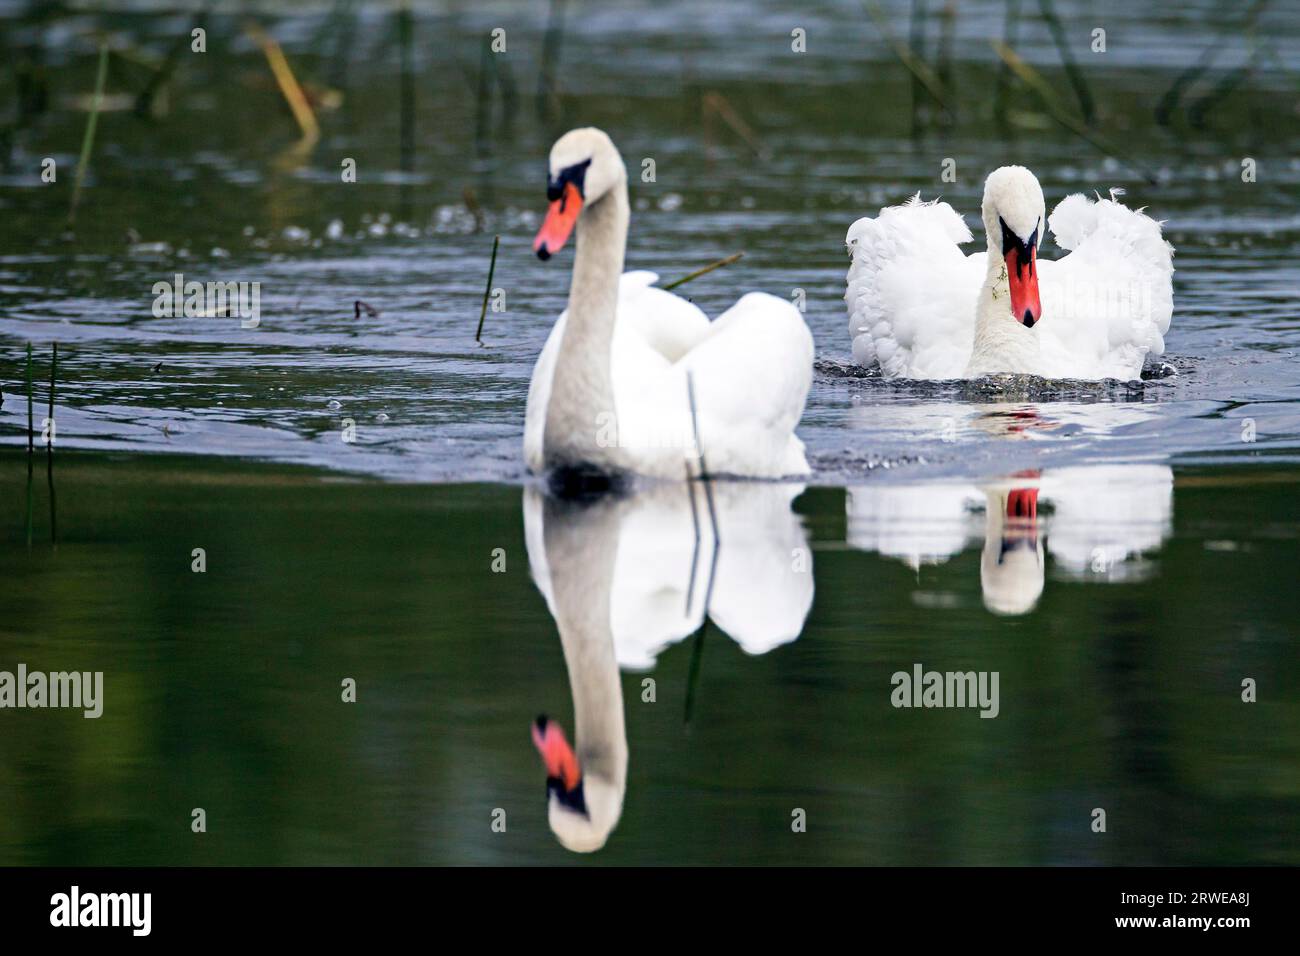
751	370
751	375
667	323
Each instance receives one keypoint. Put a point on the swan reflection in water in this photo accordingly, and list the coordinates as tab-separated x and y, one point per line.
625	577
1095	522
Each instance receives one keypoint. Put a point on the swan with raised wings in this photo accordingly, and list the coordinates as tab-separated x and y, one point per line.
609	393
920	308
1098	523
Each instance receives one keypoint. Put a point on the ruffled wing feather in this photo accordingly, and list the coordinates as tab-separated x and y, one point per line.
911	291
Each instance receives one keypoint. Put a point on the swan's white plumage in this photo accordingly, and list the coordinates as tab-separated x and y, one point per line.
627	575
911	293
918	524
668	323
1108	304
1097	522
610	391
1105	516
655	328
659	579
751	369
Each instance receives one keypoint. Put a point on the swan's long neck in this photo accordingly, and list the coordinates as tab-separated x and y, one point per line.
581	548
995	294
1001	343
581	421
1011	563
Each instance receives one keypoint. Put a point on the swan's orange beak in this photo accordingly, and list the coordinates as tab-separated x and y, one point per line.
558	757
1022	275
561	217
1022	505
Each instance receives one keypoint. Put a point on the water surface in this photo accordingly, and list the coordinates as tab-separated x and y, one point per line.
1119	684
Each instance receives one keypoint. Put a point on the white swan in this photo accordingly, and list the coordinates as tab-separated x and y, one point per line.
1012	572
762	582
626	576
609	391
920	308
577	547
1098	522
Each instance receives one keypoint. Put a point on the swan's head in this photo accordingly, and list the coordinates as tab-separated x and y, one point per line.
1011	566
1014	219
581	809
584	166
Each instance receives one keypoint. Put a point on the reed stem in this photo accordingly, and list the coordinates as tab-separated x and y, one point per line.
31	435
288	83
487	292
88	139
1034	80
54	364
1072	71
917	67
707	269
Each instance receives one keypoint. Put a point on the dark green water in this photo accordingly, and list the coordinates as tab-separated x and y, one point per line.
222	689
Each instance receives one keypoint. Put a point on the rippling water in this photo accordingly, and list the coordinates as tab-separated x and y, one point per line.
203	193
1120	552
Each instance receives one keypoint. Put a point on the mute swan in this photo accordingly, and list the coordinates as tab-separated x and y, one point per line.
919	308
1012	572
1097	522
609	392
584	789
624	577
